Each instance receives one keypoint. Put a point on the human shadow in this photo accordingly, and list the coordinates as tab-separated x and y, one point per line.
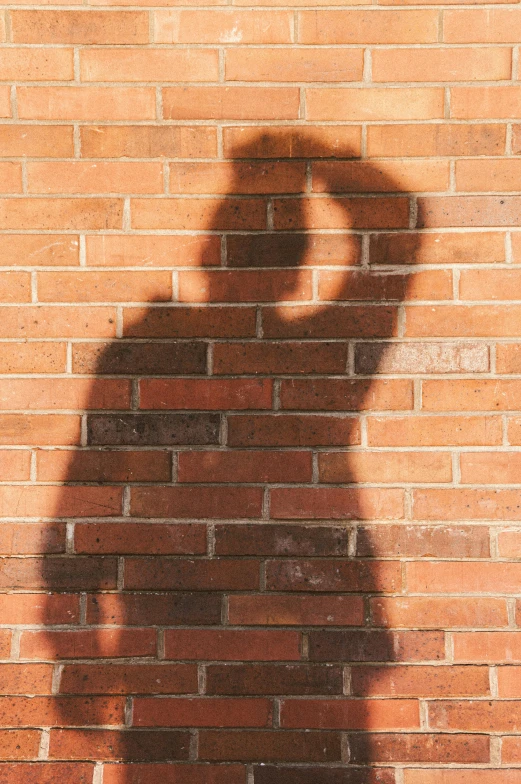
218	497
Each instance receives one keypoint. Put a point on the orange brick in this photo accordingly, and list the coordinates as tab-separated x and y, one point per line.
94	466
40	429
100	177
112	250
387	176
198	214
149	65
490	284
488	175
230	103
434	431
487	647
508	358
514	431
10	177
478	395
61	213
516	139
467	504
429	612
294	65
491	467
327	141
54	322
420	681
499	102
34	65
223	27
434	140
436	211
339	213
86	103
79	27
509	682
480	25
463	776
480	716
61	393
509	542
15	287
354	286
37	141
150	141
437	248
368	27
237	177
49	501
245	286
460	577
15	464
374	103
33	358
5	102
441	65
104	286
384	467
464	321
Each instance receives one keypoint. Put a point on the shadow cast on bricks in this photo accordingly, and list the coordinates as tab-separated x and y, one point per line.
220	610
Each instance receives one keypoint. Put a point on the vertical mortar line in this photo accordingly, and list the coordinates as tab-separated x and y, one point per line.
97	777
417	394
160	651
511	613
350	359
209	358
14	653
363	141
34	286
69	537
223	430
121	574
492	672
508	138
276	394
266	504
446	103
413	212
119	321
159	103
304	647
83	609
269	214
14	102
220	141
174	468
224	250
33	467
210	540
495	749
45	739
194	745
68	360
76	140
276	713
424	714
508	247
135	397
345	751
295	32
452	176
221	65
367	66
82	250
125	511
166	177
456	275
25	184
84	433
224	610
175	286
449	647
365	243
515	63
347	686
441	20
504	422
129	710
259	331
314	468
76	61
201	678
127	218
494	543
302	104
57	671
408	504
456	472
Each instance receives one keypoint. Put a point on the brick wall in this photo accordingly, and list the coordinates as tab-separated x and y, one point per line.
260	467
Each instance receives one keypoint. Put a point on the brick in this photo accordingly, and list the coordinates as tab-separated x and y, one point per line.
336	213
110	250
468	211
511	751
244	466
437	247
15	287
100	177
174	774
230	103
23	678
61	393
336	503
44	249
33	358
86	103
345	576
514	430
373	646
508	358
203	502
280	540
508	541
434	431
189	322
5	102
463	776
288	430
420	681
285	358
289	250
60	213
463	321
79	27
198	214
40	608
463	395
130	358
298	321
34	65
295	610
42	321
335	467
28	711
432	284
435	140
350	714
191	575
431	612
475	715
477	25
32	539
201	712
152	429
441	65
375	103
152	141
232	645
378	27
466	504
15	464
345	394
104	286
19	744
437	748
50	500
273	679
103	643
174	609
294	65
58	573
499	102
487	175
342	141
516	149
389	176
148	65
487	647
140	538
124	679
46	772
237	177
446	541
118	745
267	774
269	746
509	683
223	27
245	286
39	429
100	466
